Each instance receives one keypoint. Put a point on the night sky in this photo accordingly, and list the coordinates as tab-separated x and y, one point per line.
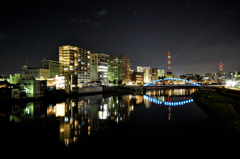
199	33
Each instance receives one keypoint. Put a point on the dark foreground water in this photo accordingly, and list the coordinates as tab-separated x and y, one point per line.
166	123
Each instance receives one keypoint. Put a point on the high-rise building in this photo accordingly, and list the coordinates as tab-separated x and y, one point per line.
84	68
126	71
53	67
68	60
99	68
119	69
154	74
114	69
147	73
68	66
74	63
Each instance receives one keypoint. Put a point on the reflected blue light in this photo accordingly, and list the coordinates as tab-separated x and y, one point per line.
166	103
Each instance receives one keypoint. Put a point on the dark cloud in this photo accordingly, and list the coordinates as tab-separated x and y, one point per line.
135	13
95	24
2	37
207	59
199	34
73	20
101	13
165	23
188	3
85	20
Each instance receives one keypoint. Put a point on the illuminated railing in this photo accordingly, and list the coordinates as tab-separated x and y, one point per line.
166	103
174	79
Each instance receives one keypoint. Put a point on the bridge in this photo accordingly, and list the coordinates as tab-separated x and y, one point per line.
173	79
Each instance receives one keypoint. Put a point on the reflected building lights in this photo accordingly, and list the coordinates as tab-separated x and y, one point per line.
171	92
24	114
60	109
90	114
84	116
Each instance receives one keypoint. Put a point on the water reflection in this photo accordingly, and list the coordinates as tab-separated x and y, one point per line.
171	92
24	114
166	103
84	116
170	98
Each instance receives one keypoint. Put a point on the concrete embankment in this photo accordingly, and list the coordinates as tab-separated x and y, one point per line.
223	108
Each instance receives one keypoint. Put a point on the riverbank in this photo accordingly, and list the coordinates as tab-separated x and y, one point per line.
223	107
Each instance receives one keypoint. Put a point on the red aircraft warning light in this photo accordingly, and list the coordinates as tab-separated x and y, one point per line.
221	67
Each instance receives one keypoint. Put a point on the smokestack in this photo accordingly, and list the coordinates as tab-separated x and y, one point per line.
221	67
169	63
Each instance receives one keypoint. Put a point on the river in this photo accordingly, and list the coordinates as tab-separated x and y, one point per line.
165	122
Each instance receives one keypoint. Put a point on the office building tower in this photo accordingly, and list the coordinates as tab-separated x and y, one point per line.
154	74
119	69
126	69
99	68
84	68
114	69
74	64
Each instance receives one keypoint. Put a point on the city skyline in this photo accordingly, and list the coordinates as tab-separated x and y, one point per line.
199	34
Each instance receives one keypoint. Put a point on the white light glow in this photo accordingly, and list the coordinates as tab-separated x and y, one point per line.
231	83
60	109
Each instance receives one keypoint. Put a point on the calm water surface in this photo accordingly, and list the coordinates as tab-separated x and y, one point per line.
159	121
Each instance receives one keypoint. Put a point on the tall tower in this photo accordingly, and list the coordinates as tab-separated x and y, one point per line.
169	63
221	67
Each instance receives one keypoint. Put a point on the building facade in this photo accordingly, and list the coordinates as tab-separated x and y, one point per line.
74	64
126	71
13	79
161	73
138	78
33	88
99	68
84	68
147	73
154	74
38	73
114	69
119	69
53	67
